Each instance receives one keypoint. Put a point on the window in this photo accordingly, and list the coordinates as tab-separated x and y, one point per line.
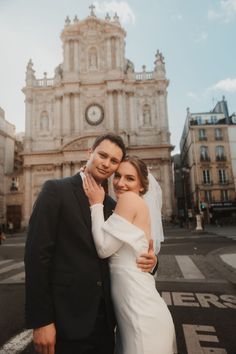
213	120
220	153
218	134
208	197
199	120
14	184
224	195
222	175
202	134
206	176
204	153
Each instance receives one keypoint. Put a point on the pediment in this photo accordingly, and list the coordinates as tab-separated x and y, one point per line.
92	24
77	144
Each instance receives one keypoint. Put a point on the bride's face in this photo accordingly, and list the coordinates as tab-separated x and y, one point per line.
126	179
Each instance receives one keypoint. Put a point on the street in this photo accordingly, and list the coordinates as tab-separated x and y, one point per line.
196	278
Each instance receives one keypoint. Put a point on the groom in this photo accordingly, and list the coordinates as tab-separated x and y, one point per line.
68	300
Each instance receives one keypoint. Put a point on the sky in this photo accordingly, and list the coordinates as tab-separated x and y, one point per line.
196	37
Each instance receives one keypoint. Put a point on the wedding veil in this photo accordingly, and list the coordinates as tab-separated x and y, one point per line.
153	198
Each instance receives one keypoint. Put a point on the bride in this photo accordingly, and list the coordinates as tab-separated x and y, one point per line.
144	323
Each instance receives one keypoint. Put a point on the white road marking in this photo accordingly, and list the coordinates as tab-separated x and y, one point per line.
18	343
188	268
229	259
6	261
18	278
11	267
195	338
13	245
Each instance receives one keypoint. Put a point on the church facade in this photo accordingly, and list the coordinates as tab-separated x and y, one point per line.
94	90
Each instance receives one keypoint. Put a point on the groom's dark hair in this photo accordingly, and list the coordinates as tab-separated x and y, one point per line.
113	138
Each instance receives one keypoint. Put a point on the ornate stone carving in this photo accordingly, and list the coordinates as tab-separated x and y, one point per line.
44	121
80	144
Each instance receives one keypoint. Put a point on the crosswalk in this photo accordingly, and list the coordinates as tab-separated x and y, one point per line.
11	271
172	268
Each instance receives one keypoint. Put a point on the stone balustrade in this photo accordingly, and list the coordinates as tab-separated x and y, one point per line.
44	82
144	75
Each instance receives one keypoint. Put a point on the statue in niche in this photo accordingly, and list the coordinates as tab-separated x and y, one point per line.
93	59
146	115
44	121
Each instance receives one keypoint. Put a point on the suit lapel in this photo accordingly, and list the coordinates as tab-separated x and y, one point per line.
82	200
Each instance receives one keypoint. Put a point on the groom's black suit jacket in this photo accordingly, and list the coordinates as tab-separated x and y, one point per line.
65	279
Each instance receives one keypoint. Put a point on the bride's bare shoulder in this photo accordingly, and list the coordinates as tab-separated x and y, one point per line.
129	196
131	200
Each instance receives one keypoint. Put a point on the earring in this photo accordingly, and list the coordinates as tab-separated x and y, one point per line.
141	190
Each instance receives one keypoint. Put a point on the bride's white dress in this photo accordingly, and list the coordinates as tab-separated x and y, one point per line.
145	325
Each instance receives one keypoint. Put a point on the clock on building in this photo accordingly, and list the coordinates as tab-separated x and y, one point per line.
94	114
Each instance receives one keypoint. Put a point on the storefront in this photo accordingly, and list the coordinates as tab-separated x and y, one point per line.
222	213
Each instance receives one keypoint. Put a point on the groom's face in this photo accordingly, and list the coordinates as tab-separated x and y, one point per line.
104	160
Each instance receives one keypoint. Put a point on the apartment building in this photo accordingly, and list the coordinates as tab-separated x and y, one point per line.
206	156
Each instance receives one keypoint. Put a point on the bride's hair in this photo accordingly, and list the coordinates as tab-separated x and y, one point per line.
141	169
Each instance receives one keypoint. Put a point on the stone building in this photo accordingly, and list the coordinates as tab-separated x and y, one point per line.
206	156
7	139
94	90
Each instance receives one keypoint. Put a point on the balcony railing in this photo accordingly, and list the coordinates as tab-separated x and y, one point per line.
207	183
220	137
225	181
204	158
201	138
220	158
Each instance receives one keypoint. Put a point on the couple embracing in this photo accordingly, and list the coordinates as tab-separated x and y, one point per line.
88	262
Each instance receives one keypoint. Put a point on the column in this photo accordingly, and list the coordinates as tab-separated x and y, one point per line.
162	109
27	194
66	169
77	116
77	166
127	112
120	110
57	171
115	111
66	126
131	112
108	53
117	46
28	123
57	118
76	56
66	56
110	115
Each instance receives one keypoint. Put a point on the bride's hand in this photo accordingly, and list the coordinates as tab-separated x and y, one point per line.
93	191
148	262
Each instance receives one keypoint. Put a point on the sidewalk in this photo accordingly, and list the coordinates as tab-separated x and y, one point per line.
211	230
226	231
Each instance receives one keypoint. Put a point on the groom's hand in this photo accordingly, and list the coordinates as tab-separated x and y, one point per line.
44	339
147	262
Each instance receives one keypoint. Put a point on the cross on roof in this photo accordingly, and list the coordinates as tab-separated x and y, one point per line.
92	7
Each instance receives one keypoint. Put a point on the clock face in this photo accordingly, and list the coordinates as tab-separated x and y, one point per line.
94	114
